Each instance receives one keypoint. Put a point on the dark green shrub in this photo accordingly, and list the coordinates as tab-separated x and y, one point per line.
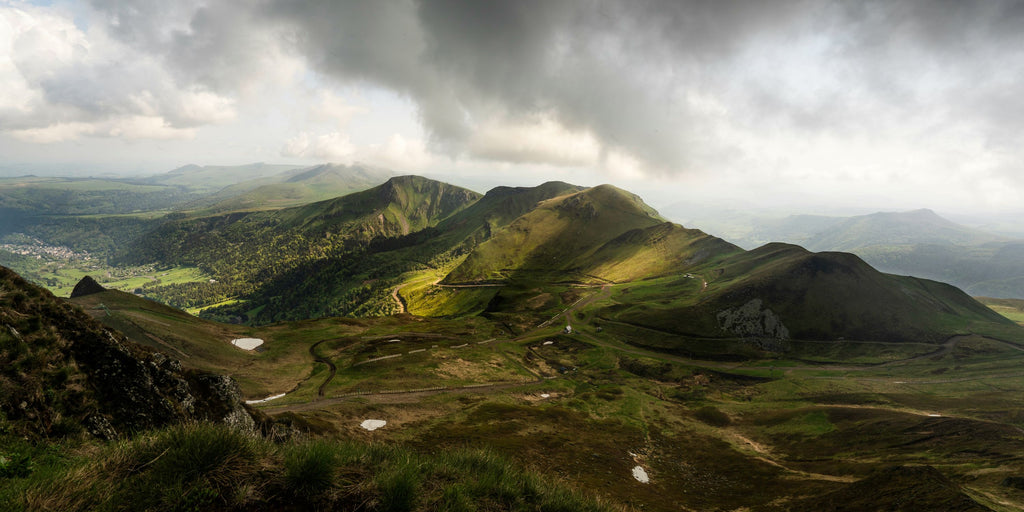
712	416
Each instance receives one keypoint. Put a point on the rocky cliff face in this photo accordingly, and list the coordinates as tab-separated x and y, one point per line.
751	319
62	372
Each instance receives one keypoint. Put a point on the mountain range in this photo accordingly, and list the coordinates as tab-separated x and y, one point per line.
371	253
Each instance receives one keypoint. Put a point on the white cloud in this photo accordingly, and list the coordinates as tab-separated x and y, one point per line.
130	128
398	152
540	140
63	83
333	146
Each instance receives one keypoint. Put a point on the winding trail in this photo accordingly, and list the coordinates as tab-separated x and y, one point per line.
330	365
398	298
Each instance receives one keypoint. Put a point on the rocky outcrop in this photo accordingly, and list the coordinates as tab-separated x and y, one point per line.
87	286
60	372
752	320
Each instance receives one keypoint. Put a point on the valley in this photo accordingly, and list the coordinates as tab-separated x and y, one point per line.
569	332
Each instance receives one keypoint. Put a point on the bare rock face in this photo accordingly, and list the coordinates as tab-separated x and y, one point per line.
87	286
751	319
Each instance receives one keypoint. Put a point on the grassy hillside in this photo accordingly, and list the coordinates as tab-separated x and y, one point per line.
780	292
1010	308
364	283
556	236
243	251
814	426
210	467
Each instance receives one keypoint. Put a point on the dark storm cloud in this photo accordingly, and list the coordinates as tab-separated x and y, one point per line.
646	77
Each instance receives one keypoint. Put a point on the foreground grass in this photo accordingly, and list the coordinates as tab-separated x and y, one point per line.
211	467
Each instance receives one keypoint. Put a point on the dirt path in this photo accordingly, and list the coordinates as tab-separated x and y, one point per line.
583	301
398	298
330	365
765	455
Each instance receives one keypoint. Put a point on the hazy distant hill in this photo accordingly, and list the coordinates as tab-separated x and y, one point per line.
211	178
923	244
293	187
896	228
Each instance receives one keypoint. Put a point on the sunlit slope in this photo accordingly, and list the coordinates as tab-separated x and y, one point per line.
782	291
363	284
559	235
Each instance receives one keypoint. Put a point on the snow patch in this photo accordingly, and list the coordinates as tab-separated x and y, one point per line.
372	425
247	343
545	395
640	475
548	343
267	399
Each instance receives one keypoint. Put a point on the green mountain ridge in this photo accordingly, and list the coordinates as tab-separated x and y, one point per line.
558	235
351	256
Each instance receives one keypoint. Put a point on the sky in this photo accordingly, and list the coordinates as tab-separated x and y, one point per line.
806	105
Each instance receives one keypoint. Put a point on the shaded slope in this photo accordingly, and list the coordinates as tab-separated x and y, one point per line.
257	255
782	291
896	489
244	248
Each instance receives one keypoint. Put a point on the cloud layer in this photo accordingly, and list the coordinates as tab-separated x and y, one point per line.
901	93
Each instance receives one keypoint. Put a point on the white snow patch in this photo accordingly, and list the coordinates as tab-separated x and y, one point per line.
267	399
548	343
935	415
372	425
545	395
247	343
640	475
